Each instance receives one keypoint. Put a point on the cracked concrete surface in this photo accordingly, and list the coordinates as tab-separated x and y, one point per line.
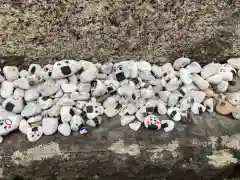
193	151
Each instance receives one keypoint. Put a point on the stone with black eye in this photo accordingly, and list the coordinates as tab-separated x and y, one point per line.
234	98
47	71
35	69
13	104
66	114
93	109
174	113
152	122
111	85
76	123
64	68
45	102
34	133
98	88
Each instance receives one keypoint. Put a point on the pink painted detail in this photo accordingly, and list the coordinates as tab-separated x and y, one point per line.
158	122
148	122
9	126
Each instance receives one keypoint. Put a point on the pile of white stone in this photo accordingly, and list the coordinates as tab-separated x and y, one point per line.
73	95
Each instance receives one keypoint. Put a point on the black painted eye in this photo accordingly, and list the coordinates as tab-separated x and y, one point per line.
120	68
96	111
46	69
58	64
67	62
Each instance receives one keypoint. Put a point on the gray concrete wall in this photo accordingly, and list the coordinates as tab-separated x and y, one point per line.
154	30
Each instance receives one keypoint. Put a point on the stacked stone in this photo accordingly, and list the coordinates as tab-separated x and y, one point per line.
73	95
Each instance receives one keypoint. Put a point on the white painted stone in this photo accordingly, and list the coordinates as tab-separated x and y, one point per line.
68	88
49	88
200	82
13	104
234	98
210	69
35	69
19	92
222	87
24	74
234	62
197	108
194	67
9	124
73	80
107	68
64	68
169	125
49	125
226	76
185	76
197	96
22	83
236	112
174	113
181	63
110	112
215	79
34	133
157	71
45	102
161	108
7	88
31	95
135	126
64	129
88	75
164	96
125	120
31	109
76	123
66	114
11	73
209	104
61	81
65	101
83	87
24	126
144	66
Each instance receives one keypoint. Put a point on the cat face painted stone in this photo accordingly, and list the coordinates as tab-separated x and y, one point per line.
125	70
9	124
13	104
174	113
76	123
66	114
35	69
227	68
93	109
47	71
152	122
34	133
98	88
64	68
111	85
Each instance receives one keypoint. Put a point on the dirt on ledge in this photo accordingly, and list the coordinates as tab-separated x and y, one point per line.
96	30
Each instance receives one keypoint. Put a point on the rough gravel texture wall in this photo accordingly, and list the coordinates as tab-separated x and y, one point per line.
154	30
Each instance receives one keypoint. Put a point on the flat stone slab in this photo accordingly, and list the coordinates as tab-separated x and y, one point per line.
207	148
